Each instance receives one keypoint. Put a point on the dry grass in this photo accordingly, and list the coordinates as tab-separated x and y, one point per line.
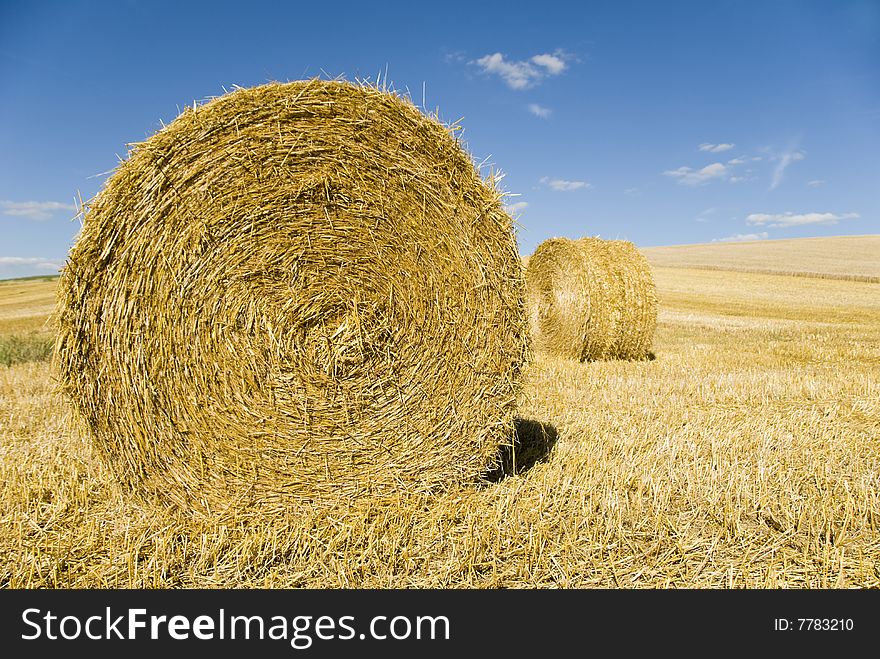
22	348
25	333
839	257
25	304
745	455
294	294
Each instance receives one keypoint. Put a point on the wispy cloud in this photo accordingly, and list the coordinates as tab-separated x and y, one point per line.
25	266
715	148
741	237
455	57
539	110
797	219
737	161
784	160
818	183
515	208
704	216
688	176
33	210
561	185
632	192
35	261
522	74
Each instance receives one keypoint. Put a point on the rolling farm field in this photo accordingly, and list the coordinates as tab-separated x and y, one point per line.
745	455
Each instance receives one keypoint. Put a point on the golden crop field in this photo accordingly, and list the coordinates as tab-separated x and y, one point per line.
747	454
842	257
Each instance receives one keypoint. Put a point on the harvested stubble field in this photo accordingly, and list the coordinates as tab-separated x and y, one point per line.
837	257
24	306
747	454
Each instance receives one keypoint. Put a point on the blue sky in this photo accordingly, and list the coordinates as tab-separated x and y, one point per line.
660	123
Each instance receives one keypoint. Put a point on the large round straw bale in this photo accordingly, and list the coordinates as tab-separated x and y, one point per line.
295	292
591	299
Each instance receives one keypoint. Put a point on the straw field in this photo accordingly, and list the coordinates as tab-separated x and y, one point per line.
747	454
24	333
801	257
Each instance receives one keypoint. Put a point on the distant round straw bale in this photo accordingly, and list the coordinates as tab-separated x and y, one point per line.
294	292
591	299
637	300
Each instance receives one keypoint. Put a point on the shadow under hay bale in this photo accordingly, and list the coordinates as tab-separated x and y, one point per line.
532	443
296	293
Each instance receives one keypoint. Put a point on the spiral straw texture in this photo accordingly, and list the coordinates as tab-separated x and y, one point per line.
591	299
295	292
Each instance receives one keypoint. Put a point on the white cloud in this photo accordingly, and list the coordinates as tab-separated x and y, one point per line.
554	64
13	266
34	210
18	260
741	237
737	161
736	179
689	176
797	219
818	183
561	185
539	110
785	160
517	207
524	73
517	75
715	148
